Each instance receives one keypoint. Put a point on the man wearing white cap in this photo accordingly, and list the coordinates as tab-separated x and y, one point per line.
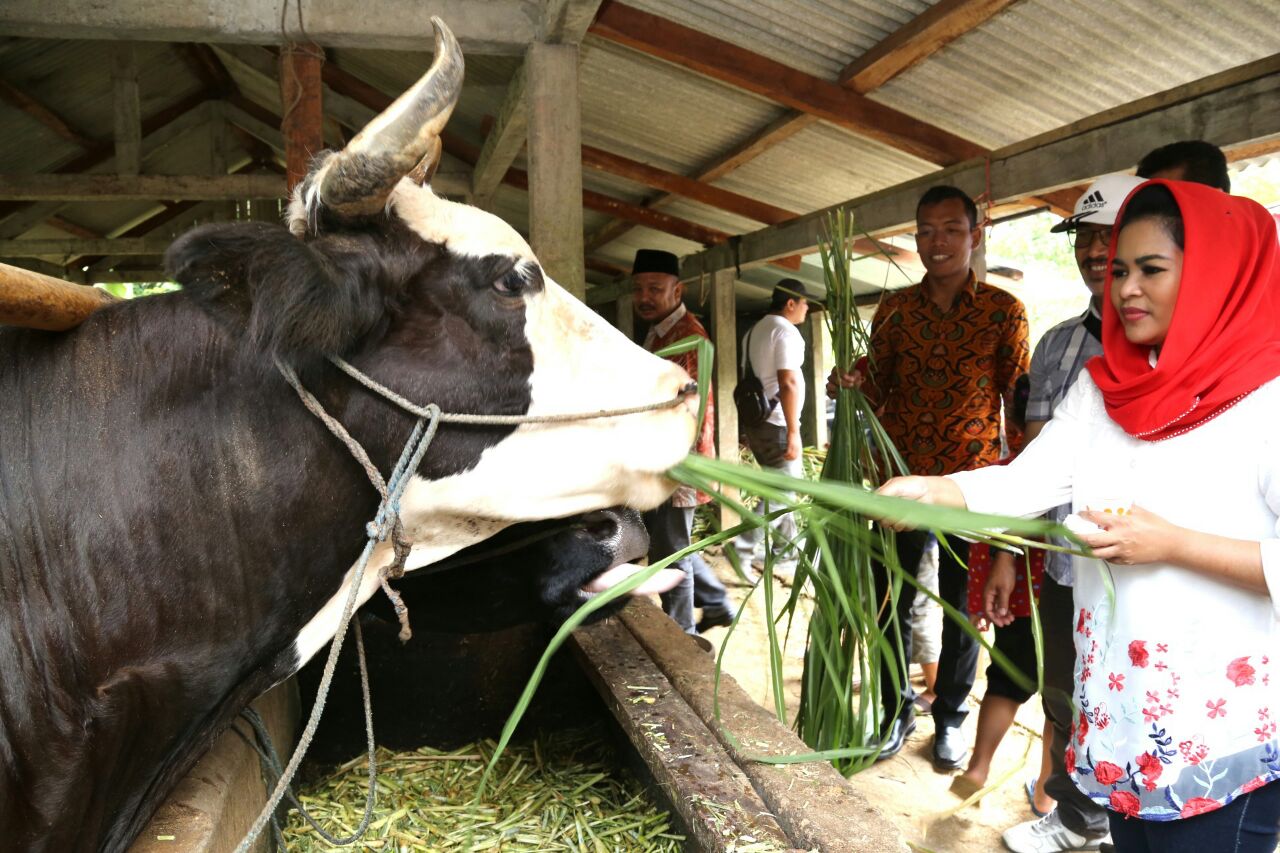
1077	823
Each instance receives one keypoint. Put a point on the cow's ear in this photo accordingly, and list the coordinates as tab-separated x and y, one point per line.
289	299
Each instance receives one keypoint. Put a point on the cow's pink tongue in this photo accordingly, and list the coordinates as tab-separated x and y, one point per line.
659	583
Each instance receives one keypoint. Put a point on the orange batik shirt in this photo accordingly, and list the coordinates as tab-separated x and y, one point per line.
941	376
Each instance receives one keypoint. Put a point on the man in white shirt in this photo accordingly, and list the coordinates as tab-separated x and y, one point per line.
774	348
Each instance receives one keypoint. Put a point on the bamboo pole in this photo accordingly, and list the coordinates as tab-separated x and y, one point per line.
37	301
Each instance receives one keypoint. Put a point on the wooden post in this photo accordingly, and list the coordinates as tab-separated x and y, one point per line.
128	109
978	261
555	163
817	364
300	95
724	330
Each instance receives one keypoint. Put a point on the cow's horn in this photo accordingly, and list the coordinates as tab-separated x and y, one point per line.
37	301
359	178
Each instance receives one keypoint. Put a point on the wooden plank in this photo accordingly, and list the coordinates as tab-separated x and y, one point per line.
502	27
661	179
128	109
139	187
301	100
502	145
728	63
19	99
714	798
555	163
920	38
817	807
1244	112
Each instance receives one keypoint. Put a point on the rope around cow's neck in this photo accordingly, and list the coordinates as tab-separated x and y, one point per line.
385	524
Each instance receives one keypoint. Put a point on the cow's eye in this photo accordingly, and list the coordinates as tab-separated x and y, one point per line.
513	283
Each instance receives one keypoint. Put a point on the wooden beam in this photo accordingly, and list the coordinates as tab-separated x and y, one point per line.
72	247
16	218
1231	109
566	21
300	95
503	144
738	67
660	179
206	65
920	38
503	27
128	108
20	100
72	228
724	327
929	29
140	187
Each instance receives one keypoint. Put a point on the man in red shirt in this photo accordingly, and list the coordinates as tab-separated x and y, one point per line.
658	300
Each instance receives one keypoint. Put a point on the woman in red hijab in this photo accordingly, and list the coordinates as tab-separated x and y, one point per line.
1168	448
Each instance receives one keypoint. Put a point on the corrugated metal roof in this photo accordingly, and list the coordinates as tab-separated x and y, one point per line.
649	110
820	166
1042	64
819	37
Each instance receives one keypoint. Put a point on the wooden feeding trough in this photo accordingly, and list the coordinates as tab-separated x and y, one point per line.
657	684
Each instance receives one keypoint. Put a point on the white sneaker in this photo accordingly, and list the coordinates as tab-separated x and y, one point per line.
1048	835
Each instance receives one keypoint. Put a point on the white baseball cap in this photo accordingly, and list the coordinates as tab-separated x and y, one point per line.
1101	203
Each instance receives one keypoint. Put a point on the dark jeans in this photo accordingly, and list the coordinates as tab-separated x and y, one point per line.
958	661
708	592
1079	814
668	528
1248	824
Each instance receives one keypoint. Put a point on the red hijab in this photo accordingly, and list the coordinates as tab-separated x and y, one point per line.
1224	339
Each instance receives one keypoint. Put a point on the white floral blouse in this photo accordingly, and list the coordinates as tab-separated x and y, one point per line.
1176	696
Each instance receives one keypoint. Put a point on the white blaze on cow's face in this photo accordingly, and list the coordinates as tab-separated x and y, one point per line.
580	364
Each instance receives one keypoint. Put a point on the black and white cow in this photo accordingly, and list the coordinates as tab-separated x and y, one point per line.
177	532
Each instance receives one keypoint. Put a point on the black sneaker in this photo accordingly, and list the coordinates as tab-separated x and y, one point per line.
715	619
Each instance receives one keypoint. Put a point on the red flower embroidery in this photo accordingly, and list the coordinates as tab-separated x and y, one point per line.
1080	622
1264	712
1069	758
1240	672
1150	715
1199	805
1265	732
1215	708
1192	751
1138	653
1151	768
1082	729
1107	773
1125	803
1162	647
1161	665
1115	681
1253	784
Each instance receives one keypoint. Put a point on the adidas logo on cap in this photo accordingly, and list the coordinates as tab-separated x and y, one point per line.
1094	201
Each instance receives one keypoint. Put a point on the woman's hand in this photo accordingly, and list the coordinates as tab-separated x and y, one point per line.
1000	583
937	491
1132	538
